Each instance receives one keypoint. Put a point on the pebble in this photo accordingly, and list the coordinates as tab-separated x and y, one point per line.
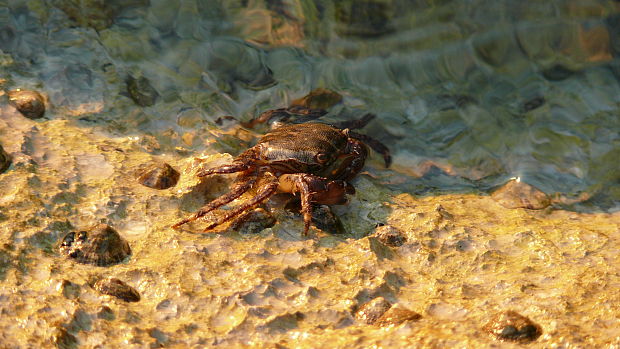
29	103
160	176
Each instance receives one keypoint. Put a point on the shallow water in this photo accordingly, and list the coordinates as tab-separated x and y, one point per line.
468	95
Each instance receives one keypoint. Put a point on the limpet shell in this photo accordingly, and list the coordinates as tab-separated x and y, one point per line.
100	245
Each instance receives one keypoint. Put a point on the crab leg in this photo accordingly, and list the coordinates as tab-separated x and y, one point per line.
265	192
243	162
244	183
375	145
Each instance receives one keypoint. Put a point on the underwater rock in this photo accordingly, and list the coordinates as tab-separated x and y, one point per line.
516	194
390	236
512	326
160	176
364	19
370	312
5	160
320	98
396	315
29	103
100	245
253	222
116	288
141	91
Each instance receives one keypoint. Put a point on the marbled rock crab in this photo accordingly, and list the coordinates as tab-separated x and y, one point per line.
314	160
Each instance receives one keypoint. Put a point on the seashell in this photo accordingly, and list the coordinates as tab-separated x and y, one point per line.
390	236
396	315
253	222
100	245
161	176
512	326
30	103
370	312
5	160
116	288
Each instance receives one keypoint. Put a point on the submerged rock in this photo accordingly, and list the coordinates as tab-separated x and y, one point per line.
116	288
29	103
161	176
141	91
100	245
516	194
320	98
512	326
5	160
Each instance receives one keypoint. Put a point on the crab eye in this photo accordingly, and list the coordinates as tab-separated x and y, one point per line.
321	158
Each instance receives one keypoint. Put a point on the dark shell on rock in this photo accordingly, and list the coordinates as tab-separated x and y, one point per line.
141	91
100	245
396	315
30	103
253	222
5	160
512	326
370	312
390	236
161	176
117	288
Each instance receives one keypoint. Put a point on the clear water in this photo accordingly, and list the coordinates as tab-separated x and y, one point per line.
483	90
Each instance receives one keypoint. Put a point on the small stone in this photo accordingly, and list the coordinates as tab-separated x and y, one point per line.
30	103
370	312
141	91
512	326
63	339
116	288
517	194
5	160
320	98
100	245
390	236
160	176
253	222
106	313
70	290
396	315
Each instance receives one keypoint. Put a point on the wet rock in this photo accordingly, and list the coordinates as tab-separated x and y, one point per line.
106	313
141	91
370	312
320	98
533	103
100	245
29	103
324	219
116	288
70	290
5	160
63	339
512	326
368	18
160	176
516	194
396	315
253	222
390	236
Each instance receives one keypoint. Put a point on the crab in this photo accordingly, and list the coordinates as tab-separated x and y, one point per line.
313	160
